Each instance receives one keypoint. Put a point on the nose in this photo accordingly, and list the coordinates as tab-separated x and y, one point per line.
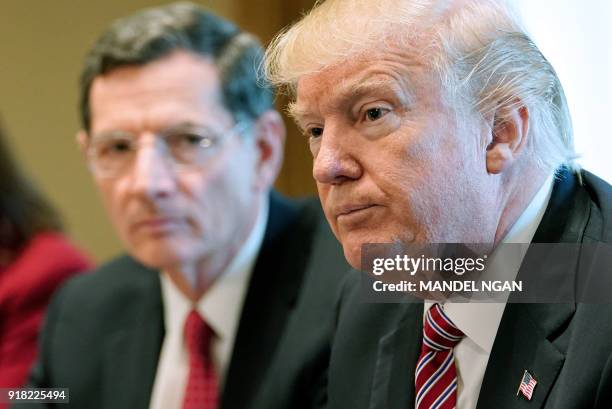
336	160
152	172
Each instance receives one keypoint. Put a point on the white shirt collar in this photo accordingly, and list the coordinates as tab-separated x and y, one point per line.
222	304
480	321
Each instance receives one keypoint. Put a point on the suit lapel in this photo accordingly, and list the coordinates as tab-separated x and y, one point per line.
522	344
525	339
130	366
398	352
131	351
272	293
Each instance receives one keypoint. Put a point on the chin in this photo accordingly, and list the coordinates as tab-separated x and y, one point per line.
157	257
353	242
352	253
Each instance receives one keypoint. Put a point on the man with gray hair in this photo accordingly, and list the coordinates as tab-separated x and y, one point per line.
224	277
435	121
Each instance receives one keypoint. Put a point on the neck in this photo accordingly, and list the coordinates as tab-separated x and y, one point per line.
519	194
196	277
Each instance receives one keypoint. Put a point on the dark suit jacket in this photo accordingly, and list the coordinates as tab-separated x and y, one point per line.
567	347
104	330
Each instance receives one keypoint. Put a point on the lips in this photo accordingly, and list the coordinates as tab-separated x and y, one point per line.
157	224
350	209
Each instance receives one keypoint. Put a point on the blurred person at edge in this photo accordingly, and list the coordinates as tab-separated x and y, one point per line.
35	258
437	121
225	280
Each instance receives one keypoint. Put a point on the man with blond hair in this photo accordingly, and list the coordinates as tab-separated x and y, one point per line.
442	122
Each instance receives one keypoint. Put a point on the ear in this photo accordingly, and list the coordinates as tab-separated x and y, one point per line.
82	141
270	144
509	135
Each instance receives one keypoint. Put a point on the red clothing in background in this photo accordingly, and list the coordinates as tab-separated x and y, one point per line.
26	286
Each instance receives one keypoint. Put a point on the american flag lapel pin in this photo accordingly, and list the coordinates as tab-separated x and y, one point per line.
527	385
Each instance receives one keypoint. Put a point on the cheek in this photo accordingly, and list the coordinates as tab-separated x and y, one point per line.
406	180
113	200
216	193
202	193
323	190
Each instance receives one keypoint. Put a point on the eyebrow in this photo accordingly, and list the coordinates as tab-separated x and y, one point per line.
294	110
356	90
373	86
177	127
113	133
185	126
297	113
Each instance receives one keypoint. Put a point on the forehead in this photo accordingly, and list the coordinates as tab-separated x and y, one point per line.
402	75
179	87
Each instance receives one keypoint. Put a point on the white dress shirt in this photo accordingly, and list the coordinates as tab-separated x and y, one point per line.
220	307
480	321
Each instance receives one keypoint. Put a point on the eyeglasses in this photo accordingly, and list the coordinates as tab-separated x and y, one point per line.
112	154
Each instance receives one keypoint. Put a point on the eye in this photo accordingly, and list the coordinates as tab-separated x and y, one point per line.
314	132
113	146
121	146
193	139
190	141
374	114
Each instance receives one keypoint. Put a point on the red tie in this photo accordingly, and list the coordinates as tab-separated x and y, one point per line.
436	374
201	390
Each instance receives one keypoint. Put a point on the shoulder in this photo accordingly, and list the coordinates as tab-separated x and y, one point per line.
301	221
50	252
47	261
299	225
601	191
112	290
356	311
288	214
299	230
600	194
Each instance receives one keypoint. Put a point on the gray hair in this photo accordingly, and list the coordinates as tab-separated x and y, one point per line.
477	49
153	33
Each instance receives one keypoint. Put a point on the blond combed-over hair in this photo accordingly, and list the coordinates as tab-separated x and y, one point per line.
478	50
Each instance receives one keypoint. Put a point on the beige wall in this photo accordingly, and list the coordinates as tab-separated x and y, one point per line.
42	47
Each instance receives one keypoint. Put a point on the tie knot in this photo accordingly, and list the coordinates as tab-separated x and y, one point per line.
197	334
439	332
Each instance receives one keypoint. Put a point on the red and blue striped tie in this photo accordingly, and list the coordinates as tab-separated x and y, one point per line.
436	374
